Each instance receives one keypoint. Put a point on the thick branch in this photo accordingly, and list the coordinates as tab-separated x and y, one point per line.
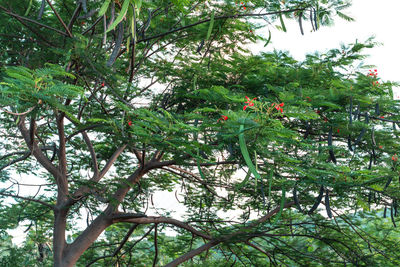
36	151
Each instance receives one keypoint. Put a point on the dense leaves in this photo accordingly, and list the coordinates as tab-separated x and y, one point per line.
111	105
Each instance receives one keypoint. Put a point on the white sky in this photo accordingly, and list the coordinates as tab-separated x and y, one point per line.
372	18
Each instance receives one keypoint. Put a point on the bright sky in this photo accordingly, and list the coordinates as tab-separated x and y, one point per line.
372	18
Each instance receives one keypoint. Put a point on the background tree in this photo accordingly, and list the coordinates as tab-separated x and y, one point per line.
109	102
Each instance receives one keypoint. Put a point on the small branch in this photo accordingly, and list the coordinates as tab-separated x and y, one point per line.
60	19
92	154
126	237
32	21
24	157
157	220
19	114
28	199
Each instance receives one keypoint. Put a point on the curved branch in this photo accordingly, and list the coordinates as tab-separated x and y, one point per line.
28	199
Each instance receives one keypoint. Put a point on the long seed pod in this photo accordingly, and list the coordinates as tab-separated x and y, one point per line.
278	216
118	42
84	5
295	198
317	200
388	183
363	131
392	216
349	143
301	23
200	47
366	117
394	126
373	143
147	24
262	192
282	22
395	207
41	10
331	154
88	15
315	19
351	111
377	112
308	128
384	212
327	205
370	161
311	19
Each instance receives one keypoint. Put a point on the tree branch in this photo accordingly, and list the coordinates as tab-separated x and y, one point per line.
28	199
60	19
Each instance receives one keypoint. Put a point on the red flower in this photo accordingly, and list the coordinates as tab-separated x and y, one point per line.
102	84
281	110
338	130
281	104
244	7
394	157
382	117
380	147
130	123
249	103
308	98
223	117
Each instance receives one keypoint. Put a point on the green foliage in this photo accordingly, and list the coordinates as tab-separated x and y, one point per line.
167	87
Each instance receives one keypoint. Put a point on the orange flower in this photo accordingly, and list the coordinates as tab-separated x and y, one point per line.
380	147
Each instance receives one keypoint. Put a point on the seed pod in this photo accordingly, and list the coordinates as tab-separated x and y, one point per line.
88	15
200	47
147	24
349	143
391	215
118	42
317	200
394	126
41	10
395	207
370	161
388	182
366	117
311	19
327	205
377	112
84	5
351	111
295	199
363	130
331	154
315	19
308	128
301	23
384	212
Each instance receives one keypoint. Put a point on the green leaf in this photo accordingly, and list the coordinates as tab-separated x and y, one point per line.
121	15
210	26
278	216
104	7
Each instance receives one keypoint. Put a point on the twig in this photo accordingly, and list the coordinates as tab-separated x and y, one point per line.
60	19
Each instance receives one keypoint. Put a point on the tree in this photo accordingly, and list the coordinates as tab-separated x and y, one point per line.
109	102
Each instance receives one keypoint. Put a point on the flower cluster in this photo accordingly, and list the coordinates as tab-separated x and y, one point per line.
373	74
279	107
223	118
394	157
249	103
